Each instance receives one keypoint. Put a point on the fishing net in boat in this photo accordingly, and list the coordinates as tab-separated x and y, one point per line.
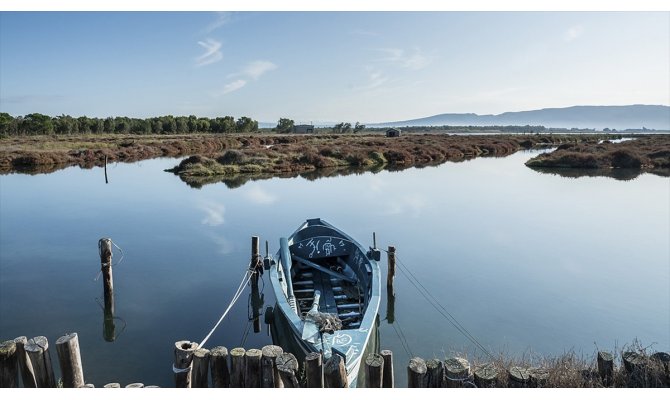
327	322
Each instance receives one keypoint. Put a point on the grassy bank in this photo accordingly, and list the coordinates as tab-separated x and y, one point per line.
262	153
625	159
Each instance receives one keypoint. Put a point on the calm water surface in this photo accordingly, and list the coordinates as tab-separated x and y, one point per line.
525	261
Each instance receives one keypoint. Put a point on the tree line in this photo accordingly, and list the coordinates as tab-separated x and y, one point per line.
285	125
40	124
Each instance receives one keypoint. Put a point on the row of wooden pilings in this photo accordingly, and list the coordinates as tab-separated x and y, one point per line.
271	367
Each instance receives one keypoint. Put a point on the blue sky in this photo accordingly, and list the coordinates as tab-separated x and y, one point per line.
329	66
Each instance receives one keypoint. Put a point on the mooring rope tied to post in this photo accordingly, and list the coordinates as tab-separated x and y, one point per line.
238	293
100	253
432	300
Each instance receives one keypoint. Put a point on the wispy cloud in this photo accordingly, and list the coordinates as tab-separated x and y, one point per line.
376	78
258	195
213	213
363	32
212	52
222	18
254	70
415	60
573	33
233	86
411	204
225	246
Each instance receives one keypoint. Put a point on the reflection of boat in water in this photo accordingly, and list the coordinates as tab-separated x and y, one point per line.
318	261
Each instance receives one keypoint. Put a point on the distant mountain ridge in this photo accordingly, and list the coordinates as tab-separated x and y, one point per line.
593	117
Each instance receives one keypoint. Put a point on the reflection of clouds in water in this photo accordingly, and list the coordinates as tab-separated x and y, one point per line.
213	213
258	195
376	183
409	204
224	245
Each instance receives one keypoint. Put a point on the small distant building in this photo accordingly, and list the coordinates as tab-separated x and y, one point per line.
303	128
392	132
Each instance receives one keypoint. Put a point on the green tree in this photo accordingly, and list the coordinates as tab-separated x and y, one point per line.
8	124
109	125
358	127
37	124
182	124
246	124
203	125
346	127
285	125
338	127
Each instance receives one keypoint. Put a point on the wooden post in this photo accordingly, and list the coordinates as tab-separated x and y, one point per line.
25	367
37	349
69	358
200	368
374	371
606	367
252	377
287	365
218	364
387	375
237	367
486	376
518	377
434	373
662	361
334	372
255	259
105	249
9	372
113	385
269	373
416	373
538	377
151	387
457	370
314	370
106	181
136	385
183	358
86	386
257	300
391	266
635	366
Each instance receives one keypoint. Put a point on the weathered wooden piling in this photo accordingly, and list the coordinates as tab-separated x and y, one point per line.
538	377
69	359
486	376
416	373
518	377
25	367
635	366
314	370
218	364
287	365
105	249
434	373
37	349
200	371
9	372
387	375
269	373
334	372
252	377
456	371
255	262
113	385
391	266
86	386
106	181
237	367
374	371
136	385
183	358
606	367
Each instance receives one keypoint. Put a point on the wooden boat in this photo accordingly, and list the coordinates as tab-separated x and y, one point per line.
319	261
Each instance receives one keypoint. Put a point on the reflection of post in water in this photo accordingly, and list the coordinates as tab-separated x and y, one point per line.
256	307
390	305
105	248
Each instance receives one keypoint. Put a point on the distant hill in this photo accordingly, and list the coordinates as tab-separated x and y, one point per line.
592	117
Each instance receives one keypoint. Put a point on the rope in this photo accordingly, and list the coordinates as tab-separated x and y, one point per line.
438	307
104	264
240	289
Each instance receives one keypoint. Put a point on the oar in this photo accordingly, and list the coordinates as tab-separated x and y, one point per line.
309	330
285	255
